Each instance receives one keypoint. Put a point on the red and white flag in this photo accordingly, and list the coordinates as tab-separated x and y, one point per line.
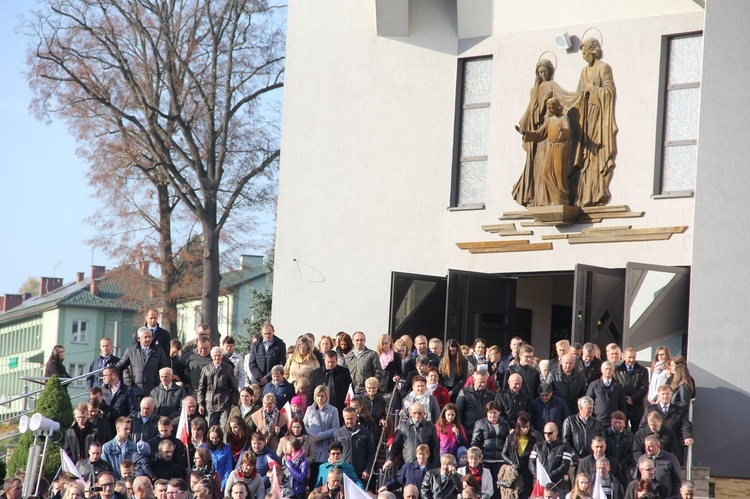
349	395
598	489
287	411
275	486
542	479
183	428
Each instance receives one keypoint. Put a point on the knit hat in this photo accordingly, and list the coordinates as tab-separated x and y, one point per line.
143	448
461	452
297	400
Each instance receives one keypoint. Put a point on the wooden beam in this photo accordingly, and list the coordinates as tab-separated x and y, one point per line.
604	209
553	237
606	229
515	215
490	244
619	238
515	247
597	217
498	227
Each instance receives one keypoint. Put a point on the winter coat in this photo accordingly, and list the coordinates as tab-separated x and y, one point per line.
141	430
322	422
569	388
168	400
579	434
221	458
432	488
217	388
363	366
259	424
556	458
607	401
471	406
77	440
359	450
449	442
489	440
635	385
409	435
262	361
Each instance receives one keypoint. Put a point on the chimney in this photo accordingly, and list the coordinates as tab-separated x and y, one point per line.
26	296
2	304
143	268
10	301
79	277
49	284
97	272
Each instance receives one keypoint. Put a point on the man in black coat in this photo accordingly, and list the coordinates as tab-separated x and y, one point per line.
103	360
634	379
607	394
166	432
335	377
472	401
555	457
599	450
579	430
164	466
194	361
674	417
161	336
80	435
421	348
569	384
270	351
646	470
619	441
589	364
144	423
527	371
143	361
359	450
412	433
655	427
513	399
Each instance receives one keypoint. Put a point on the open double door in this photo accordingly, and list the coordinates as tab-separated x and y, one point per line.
639	306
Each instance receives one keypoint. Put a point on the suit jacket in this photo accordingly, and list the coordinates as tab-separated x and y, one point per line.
98	363
676	420
144	368
409	474
433	488
635	385
123	402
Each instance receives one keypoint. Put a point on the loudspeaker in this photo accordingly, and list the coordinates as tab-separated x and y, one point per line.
563	41
39	422
23	424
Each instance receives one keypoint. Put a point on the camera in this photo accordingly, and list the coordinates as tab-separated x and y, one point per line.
96	488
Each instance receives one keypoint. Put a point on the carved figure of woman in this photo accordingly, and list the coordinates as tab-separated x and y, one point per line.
552	186
596	151
524	192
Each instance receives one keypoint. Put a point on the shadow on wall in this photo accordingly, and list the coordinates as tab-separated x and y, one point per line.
431	22
721	432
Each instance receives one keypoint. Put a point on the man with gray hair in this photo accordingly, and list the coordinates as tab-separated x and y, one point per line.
282	389
443	481
217	389
144	423
168	395
142	488
608	395
580	429
143	362
386	495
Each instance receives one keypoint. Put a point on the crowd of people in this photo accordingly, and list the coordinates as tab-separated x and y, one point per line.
415	417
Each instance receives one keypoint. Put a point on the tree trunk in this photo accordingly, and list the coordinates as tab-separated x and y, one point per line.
168	270
211	276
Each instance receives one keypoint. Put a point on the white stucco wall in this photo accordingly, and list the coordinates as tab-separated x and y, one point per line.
367	147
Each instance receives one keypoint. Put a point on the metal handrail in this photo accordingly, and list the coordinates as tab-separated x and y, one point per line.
64	381
12	435
15	416
689	457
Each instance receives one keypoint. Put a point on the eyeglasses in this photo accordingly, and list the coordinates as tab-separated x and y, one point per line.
647	469
549	432
336	453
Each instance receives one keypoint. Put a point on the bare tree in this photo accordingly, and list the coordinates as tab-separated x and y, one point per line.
174	88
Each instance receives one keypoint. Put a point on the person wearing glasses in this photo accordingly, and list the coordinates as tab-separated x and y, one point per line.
555	456
526	368
106	481
117	394
176	489
335	461
647	471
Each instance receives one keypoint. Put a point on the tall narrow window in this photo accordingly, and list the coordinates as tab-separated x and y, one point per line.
79	332
681	113
469	180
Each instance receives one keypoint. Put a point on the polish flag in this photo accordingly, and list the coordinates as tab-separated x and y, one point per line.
598	490
275	486
183	430
67	465
349	395
287	411
542	479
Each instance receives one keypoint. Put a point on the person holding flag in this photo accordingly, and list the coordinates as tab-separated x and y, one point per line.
550	461
606	486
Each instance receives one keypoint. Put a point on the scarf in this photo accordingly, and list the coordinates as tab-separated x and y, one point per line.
431	388
386	358
247	476
270	418
476	473
295	455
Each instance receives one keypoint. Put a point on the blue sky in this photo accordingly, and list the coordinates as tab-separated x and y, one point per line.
44	196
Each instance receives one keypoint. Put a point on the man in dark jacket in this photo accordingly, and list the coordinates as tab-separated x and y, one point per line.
526	369
96	418
145	422
194	361
166	433
117	394
589	364
163	466
675	418
168	395
335	377
270	351
217	389
620	443
599	451
513	399
357	442
634	380
161	336
547	408
103	360
80	434
568	384
362	363
580	429
143	361
412	433
607	394
443	481
554	455
472	401
90	467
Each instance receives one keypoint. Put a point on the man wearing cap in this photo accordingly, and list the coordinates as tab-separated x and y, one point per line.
547	408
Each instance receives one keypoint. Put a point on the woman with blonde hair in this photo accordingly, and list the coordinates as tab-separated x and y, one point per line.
390	362
582	488
453	369
325	344
303	356
74	491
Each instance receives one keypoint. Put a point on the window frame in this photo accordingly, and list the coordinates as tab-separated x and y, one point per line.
661	125
457	134
76	369
78	341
